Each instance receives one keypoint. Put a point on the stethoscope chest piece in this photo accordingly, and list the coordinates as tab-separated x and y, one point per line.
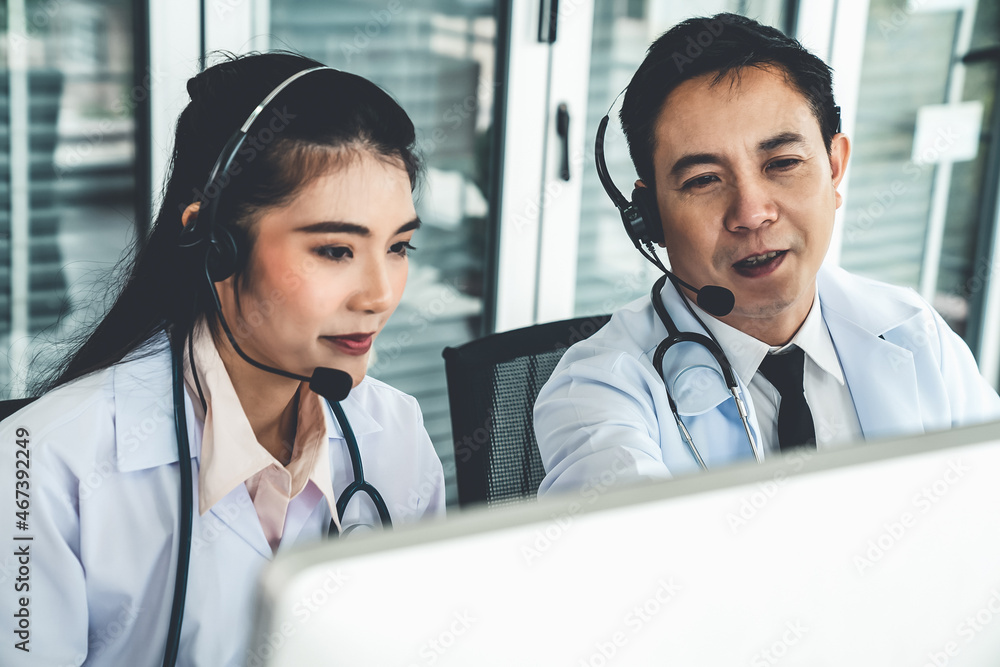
696	374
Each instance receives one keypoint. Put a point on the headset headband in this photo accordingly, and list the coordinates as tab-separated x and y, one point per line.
274	93
640	216
192	234
602	167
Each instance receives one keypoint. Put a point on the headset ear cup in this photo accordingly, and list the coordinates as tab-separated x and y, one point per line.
223	255
644	201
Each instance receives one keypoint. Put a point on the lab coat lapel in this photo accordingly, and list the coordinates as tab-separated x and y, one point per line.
146	439
871	367
236	511
881	375
361	421
144	413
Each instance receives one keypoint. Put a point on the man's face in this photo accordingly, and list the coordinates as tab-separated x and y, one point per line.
747	194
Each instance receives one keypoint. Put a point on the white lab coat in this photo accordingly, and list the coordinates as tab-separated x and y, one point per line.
104	499
603	419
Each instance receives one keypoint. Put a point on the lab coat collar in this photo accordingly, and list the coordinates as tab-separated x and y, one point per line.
841	293
858	312
362	422
743	350
144	410
746	353
678	312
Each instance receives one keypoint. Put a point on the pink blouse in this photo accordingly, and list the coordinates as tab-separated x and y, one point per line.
231	454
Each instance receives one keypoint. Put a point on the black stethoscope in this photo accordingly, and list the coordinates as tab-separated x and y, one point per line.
709	342
641	219
359	485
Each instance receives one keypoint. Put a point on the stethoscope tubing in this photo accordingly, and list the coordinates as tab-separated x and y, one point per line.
186	517
675	337
359	484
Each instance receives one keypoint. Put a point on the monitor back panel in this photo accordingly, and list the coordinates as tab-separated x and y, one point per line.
883	554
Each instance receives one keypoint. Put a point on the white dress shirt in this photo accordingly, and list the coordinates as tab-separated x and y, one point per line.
834	416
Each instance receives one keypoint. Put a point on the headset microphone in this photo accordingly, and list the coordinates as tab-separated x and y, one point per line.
223	253
642	224
332	384
713	299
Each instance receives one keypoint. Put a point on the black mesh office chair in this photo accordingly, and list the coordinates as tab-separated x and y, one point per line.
492	386
9	407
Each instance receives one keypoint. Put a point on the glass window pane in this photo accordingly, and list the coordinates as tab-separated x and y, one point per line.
894	188
886	211
67	77
965	266
438	62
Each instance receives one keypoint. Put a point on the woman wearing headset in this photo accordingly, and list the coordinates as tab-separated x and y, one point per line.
280	248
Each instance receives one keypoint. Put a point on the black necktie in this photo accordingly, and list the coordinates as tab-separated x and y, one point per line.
795	423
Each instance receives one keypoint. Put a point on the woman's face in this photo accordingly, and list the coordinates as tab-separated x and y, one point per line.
327	270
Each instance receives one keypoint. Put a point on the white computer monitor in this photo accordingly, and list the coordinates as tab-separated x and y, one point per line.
883	554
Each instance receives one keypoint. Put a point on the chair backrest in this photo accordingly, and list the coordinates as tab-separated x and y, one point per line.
492	386
9	407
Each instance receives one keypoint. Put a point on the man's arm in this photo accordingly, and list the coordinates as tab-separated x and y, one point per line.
596	421
973	400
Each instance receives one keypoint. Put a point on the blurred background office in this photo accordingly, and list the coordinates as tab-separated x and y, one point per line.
506	97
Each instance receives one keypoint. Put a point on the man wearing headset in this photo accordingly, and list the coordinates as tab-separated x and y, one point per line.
739	157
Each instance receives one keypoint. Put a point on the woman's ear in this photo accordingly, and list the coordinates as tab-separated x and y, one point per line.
191	212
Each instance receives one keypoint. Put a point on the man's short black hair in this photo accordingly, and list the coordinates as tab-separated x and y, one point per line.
724	44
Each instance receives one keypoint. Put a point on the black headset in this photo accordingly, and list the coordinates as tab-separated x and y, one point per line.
641	219
223	252
641	215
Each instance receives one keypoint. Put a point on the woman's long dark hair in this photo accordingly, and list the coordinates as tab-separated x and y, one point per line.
304	132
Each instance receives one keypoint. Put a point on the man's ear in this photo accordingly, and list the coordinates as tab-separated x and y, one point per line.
191	212
840	152
640	184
